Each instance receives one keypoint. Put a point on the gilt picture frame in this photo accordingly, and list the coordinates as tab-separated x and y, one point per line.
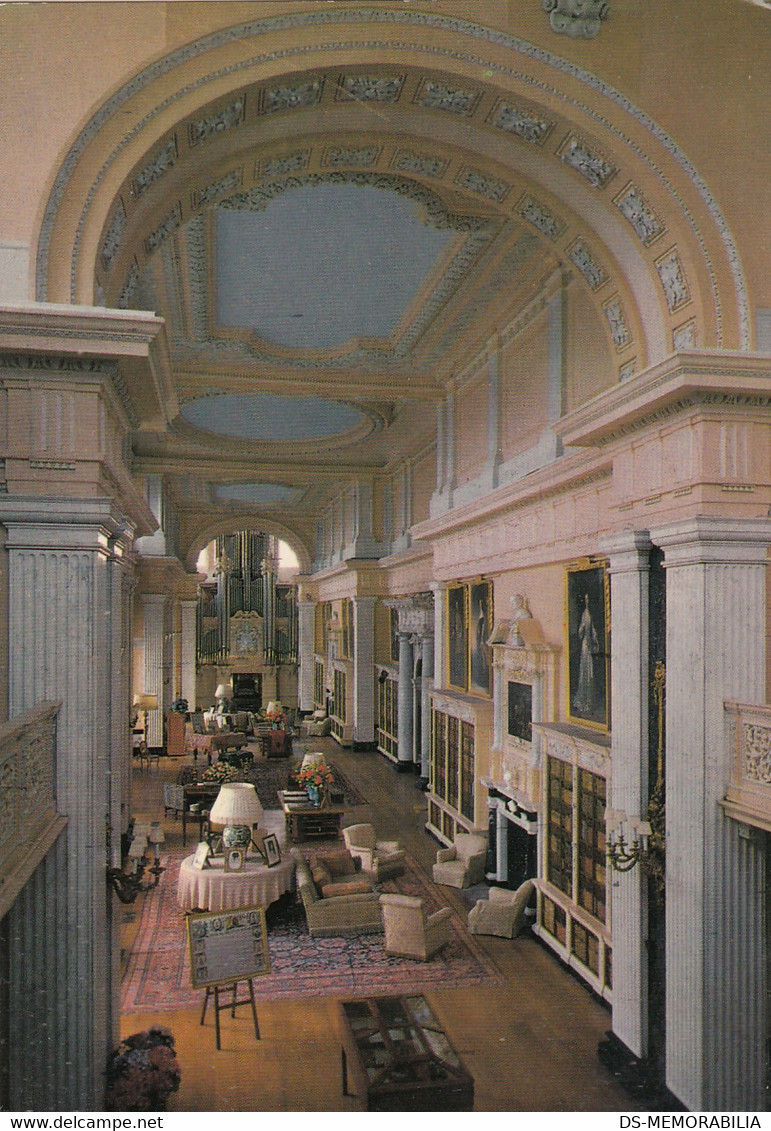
457	637
480	604
587	620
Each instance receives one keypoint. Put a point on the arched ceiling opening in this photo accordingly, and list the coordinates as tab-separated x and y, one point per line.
337	207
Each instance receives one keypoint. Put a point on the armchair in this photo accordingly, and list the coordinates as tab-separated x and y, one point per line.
503	913
379	858
409	932
463	864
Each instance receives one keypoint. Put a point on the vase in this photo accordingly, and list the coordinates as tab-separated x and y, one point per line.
314	794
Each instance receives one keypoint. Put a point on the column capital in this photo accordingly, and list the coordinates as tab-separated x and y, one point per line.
47	522
715	541
627	550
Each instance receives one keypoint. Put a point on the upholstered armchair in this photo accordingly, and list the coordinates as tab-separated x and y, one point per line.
380	859
463	864
409	931
503	913
318	725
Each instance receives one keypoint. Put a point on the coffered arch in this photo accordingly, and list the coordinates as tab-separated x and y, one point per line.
524	134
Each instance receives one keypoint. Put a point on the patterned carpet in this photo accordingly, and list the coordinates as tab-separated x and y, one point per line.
158	977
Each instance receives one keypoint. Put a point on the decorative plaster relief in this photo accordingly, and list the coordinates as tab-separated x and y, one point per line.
453	99
225	186
627	370
540	217
583	259
164	160
458	708
366	89
673	281
486	186
756	748
576	17
420	163
523	123
164	230
577	154
128	287
619	331
283	164
113	235
291	97
203	129
575	748
684	337
416	613
361	158
640	215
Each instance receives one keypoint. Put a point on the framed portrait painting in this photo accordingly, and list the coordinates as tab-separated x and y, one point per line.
588	628
480	627
457	637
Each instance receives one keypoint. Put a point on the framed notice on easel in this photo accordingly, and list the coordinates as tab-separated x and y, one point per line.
227	946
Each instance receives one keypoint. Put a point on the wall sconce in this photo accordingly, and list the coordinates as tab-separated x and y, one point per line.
130	881
645	843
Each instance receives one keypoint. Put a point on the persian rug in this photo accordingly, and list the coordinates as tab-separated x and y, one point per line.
269	777
157	976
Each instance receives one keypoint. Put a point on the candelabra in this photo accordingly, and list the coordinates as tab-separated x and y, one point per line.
131	880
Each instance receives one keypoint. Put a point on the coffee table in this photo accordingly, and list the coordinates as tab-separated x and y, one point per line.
400	1057
304	821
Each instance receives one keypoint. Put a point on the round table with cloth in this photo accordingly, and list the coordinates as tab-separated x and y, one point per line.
213	889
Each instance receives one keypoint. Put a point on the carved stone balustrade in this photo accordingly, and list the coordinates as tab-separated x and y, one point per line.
29	823
748	797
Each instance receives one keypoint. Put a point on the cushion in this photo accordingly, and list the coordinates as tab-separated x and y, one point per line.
340	863
346	887
321	874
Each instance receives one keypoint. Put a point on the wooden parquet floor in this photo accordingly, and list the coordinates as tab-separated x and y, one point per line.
530	1044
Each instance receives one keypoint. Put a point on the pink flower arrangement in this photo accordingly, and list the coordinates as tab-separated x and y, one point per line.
142	1072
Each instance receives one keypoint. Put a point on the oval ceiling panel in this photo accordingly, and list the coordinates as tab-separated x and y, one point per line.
262	416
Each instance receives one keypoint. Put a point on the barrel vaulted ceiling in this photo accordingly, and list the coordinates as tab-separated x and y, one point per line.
334	210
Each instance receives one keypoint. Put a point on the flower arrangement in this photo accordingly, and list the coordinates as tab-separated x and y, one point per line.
315	773
220	772
142	1072
274	717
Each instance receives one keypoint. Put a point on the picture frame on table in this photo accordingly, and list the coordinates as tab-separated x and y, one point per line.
587	618
271	849
235	859
201	855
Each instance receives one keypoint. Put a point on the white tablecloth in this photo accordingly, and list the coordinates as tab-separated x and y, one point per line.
213	889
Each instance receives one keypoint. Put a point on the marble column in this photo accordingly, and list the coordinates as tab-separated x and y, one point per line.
188	652
440	617
629	556
68	630
404	702
364	670
494	453
154	613
716	1001
306	611
427	653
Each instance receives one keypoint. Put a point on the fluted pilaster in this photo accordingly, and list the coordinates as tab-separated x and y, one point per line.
364	670
305	621
716	938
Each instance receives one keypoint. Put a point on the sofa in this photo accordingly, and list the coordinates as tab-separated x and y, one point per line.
342	902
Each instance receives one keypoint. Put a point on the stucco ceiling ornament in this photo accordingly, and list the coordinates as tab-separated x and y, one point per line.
576	17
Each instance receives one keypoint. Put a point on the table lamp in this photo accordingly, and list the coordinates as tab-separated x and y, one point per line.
223	693
238	808
145	702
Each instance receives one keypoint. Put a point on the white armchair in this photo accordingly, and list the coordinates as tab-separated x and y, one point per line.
503	913
379	858
409	932
463	864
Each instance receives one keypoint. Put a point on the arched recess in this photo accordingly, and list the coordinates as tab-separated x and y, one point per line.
602	168
243	521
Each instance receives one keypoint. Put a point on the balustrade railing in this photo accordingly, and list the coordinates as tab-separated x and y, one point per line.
29	823
748	797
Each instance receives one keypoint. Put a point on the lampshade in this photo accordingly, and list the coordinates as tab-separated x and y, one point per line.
237	803
224	691
145	702
274	707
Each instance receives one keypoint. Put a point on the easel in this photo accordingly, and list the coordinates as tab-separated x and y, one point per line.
214	991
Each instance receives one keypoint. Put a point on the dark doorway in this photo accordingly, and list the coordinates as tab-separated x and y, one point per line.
247	691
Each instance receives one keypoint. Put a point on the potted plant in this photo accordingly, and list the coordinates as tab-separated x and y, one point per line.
142	1072
315	776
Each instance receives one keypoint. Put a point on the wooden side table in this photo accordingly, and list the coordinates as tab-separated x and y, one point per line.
306	821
